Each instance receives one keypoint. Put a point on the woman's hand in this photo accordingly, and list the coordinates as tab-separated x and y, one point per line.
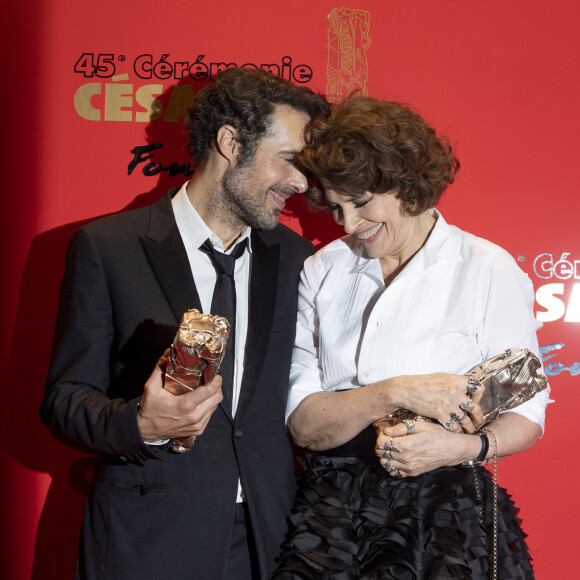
327	419
429	446
442	397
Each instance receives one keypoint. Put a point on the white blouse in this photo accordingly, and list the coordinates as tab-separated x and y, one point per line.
458	302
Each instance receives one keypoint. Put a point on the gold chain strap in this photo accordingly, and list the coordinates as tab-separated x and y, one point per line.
495	508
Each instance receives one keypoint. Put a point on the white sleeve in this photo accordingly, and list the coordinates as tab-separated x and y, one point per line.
305	372
509	322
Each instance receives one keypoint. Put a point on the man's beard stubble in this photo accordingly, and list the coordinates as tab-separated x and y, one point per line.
238	203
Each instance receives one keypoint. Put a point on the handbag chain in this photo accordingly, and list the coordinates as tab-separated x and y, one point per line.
493	574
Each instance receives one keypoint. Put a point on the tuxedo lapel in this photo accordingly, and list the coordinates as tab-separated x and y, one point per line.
168	259
262	305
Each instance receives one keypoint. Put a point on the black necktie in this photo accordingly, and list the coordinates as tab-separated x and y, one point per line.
223	303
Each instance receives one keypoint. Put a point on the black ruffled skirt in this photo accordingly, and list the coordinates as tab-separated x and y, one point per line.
352	520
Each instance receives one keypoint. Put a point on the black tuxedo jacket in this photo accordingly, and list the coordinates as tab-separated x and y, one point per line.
151	513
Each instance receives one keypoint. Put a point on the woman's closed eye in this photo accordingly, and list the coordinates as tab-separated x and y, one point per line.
335	207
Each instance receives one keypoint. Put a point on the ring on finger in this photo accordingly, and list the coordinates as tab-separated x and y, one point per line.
387	454
388	466
472	385
390	445
467	406
455	417
410	424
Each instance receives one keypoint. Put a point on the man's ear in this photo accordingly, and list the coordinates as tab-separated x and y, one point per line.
226	143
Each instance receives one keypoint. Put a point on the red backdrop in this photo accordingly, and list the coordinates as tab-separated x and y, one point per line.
85	84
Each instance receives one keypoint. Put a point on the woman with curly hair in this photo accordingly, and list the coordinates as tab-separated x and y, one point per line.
390	317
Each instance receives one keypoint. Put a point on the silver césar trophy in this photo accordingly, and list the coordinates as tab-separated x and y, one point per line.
506	381
196	353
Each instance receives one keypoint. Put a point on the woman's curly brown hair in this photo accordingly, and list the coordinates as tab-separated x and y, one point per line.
369	145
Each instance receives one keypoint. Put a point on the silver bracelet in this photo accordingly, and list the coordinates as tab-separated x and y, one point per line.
482	452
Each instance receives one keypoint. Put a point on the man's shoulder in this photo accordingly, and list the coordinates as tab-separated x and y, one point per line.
116	221
127	222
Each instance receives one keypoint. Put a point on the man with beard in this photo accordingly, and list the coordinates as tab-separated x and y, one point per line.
218	510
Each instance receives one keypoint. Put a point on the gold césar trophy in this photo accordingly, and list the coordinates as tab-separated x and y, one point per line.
504	382
196	353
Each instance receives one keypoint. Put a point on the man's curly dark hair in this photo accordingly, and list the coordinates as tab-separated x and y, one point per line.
370	145
244	99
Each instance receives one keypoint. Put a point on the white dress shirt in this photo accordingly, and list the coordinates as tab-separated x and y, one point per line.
458	302
194	231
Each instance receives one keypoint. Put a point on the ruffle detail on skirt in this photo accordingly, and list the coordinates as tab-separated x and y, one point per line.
352	520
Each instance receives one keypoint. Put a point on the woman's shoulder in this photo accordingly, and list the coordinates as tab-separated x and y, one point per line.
486	257
342	250
337	256
473	246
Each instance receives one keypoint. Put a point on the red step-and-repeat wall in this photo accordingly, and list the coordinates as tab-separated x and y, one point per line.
93	100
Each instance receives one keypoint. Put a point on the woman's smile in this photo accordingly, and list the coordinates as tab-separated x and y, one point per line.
369	235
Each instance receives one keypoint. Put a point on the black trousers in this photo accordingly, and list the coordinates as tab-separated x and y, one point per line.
242	559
